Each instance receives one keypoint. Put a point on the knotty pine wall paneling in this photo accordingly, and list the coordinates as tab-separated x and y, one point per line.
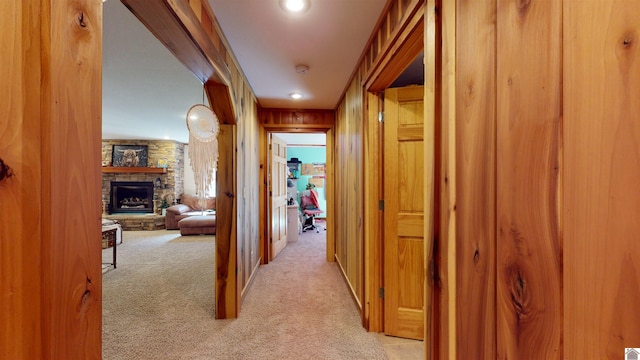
227	285
349	168
546	134
50	133
245	257
528	143
248	143
475	132
21	231
297	120
601	197
373	314
72	132
397	37
434	16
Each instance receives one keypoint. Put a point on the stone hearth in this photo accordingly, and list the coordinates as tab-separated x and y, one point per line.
138	221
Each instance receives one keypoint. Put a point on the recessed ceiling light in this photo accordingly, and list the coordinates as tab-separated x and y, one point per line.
296	6
295	95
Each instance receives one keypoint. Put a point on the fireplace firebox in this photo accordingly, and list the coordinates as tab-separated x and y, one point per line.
131	197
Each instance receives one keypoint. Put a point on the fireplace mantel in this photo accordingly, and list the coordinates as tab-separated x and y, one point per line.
126	169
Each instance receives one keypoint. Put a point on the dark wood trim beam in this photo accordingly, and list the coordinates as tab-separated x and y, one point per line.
402	48
175	24
227	292
221	101
199	36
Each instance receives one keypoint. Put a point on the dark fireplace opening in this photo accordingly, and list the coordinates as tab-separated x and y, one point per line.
131	197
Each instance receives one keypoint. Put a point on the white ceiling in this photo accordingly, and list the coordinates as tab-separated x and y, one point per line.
147	92
269	42
303	138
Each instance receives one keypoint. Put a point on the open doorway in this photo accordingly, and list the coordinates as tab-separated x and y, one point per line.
305	155
401	181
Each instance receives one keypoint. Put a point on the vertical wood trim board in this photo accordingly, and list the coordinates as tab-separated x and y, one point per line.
475	171
228	288
263	198
432	105
21	253
529	248
373	311
329	192
50	275
445	177
50	272
349	132
601	204
71	137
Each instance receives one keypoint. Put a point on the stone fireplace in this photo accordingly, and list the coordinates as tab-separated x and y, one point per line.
131	197
168	184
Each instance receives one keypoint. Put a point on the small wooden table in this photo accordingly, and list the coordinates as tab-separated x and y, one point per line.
109	236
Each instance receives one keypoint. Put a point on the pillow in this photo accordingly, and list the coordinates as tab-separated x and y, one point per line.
192	202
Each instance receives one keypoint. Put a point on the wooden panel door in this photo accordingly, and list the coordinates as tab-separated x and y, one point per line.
278	193
404	212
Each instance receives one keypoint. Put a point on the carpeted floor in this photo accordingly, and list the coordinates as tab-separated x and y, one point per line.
158	304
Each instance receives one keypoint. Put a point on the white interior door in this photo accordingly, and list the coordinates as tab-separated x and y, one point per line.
278	195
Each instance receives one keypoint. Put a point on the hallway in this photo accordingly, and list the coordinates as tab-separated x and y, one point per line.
158	303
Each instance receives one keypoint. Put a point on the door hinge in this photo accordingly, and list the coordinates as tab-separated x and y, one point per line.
269	146
270	240
381	293
381	205
381	116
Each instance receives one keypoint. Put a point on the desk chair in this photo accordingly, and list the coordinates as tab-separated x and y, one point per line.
310	208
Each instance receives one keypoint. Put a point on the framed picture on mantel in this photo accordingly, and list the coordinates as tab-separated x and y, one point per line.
130	156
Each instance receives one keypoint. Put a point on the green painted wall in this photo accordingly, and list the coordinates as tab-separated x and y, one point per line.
308	155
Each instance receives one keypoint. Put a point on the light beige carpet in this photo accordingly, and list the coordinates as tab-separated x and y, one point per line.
158	304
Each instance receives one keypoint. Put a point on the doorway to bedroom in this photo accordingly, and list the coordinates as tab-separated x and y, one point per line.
304	179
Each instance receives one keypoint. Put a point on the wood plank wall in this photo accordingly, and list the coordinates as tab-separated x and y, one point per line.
475	188
349	192
296	120
243	190
356	116
529	249
546	159
50	136
601	197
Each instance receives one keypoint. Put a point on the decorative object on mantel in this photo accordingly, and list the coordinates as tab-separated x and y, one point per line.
129	155
203	127
163	163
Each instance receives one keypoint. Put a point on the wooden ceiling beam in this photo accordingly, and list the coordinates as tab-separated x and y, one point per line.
178	28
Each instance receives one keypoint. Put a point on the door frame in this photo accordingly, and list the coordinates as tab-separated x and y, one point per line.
264	214
270	205
414	41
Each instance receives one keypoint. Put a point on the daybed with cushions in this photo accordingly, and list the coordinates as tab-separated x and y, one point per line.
188	207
